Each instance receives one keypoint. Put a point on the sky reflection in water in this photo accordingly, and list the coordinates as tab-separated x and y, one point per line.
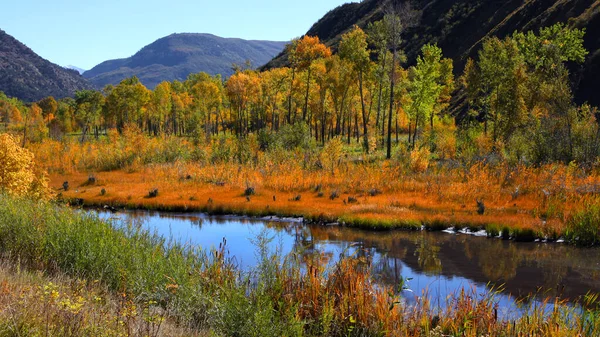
438	264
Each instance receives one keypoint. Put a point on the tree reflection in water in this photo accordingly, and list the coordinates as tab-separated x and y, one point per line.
450	260
427	253
498	261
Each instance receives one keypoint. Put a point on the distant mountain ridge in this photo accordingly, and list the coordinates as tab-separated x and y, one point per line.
29	77
79	70
176	56
459	27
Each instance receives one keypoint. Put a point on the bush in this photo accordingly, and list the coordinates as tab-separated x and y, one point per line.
445	138
267	140
222	149
419	160
17	170
295	136
332	154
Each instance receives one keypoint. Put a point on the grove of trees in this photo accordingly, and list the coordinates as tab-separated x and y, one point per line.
514	100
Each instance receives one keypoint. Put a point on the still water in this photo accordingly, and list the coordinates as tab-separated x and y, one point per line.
436	264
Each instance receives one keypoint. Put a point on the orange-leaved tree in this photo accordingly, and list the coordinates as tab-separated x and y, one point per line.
309	49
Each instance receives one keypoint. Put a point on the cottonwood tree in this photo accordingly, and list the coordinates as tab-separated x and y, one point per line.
49	107
550	95
520	85
88	111
243	88
499	81
308	50
354	48
293	60
377	36
431	80
397	18
10	110
207	96
159	107
34	127
273	88
127	102
339	79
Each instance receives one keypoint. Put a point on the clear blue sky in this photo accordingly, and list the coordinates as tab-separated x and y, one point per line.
84	33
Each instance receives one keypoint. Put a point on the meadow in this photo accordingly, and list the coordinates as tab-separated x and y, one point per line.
332	184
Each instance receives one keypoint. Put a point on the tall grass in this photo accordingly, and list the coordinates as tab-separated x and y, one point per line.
294	295
584	225
533	202
33	304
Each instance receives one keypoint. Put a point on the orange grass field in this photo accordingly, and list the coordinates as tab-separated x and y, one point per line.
321	184
436	202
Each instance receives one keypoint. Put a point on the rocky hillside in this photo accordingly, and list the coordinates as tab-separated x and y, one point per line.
176	56
459	26
29	77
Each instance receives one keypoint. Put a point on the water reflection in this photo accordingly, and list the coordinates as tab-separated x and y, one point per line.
436	263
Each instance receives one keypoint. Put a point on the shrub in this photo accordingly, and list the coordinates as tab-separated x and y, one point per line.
419	160
153	193
17	170
505	233
332	154
445	140
295	136
222	149
249	191
334	195
266	139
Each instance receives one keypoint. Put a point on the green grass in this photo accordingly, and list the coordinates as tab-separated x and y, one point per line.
583	228
200	288
380	224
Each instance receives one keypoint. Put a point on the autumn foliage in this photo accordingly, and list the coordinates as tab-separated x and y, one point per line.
17	170
518	153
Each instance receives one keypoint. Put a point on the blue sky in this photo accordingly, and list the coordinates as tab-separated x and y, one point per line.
84	33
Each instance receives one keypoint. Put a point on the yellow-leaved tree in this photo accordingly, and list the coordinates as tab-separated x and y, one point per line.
17	170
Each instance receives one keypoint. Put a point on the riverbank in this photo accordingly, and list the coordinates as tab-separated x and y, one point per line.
33	303
374	209
205	291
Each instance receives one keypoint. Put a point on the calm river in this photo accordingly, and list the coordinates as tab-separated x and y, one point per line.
436	263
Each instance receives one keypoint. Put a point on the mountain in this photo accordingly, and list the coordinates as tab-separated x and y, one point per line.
459	27
27	76
79	70
176	56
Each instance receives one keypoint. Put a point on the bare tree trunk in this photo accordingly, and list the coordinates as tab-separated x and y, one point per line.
380	90
349	127
356	129
392	84
25	132
364	113
305	112
289	117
